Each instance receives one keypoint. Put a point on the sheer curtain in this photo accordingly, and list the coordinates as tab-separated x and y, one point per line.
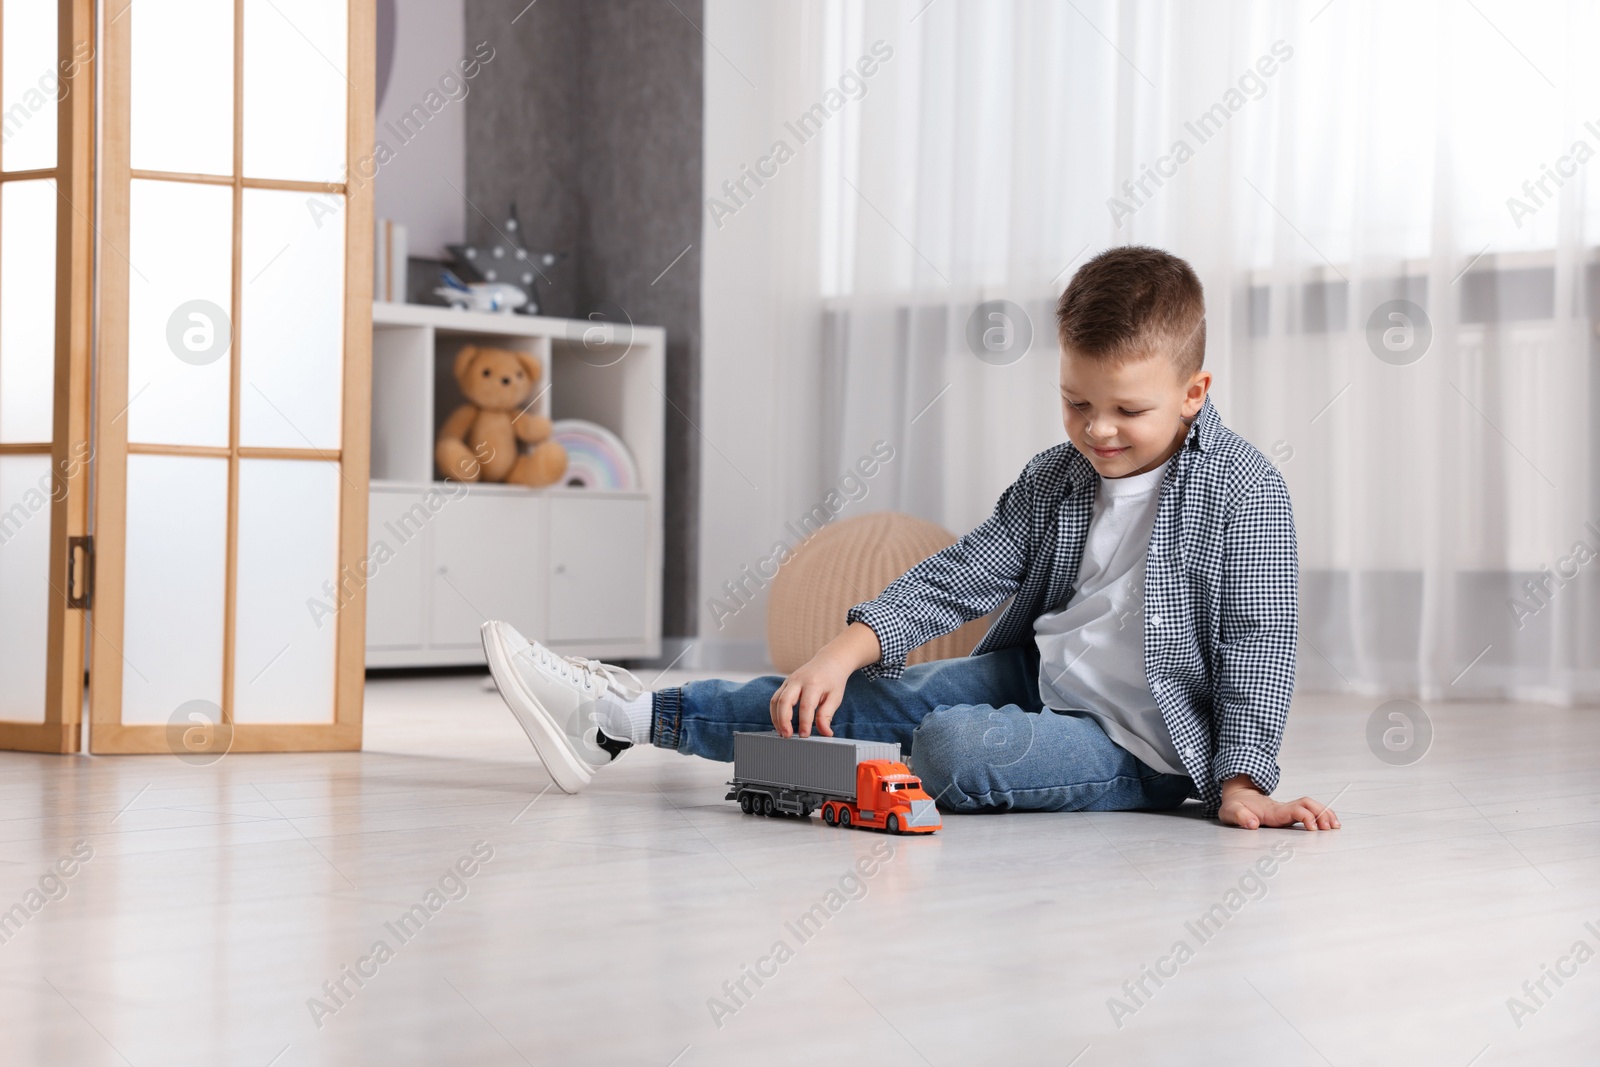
1388	205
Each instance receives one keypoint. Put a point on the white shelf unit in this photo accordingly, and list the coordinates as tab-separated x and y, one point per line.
578	569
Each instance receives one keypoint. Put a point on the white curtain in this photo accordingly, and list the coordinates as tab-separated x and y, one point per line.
1325	167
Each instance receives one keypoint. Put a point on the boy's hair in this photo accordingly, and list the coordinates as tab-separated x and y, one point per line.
1130	300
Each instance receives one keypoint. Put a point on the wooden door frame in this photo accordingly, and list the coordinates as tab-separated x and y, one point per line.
107	732
62	728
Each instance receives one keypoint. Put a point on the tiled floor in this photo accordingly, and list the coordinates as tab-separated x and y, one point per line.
218	900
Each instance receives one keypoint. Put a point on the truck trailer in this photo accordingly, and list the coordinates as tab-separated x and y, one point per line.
855	783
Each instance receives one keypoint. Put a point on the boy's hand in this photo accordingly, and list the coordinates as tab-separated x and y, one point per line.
817	687
1245	805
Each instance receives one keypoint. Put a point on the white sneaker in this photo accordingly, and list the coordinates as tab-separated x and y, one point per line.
556	699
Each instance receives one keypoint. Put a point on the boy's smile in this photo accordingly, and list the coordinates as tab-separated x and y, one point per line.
1127	417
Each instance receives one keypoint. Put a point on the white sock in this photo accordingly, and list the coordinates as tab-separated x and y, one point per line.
627	720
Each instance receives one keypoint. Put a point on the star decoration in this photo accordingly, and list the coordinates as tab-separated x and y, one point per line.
507	260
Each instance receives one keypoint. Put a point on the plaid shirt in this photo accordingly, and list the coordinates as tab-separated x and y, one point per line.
1221	609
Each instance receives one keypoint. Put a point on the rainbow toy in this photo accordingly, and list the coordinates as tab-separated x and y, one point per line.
596	457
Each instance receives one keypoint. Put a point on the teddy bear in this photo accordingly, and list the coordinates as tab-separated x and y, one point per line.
478	443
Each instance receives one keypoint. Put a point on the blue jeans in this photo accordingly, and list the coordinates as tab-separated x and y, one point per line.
977	734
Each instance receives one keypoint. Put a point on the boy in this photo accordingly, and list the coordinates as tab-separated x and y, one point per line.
1148	652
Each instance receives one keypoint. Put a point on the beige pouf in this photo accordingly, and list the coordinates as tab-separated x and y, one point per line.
843	564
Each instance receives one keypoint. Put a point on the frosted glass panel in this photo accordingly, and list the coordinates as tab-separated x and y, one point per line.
292	334
27	310
286	607
181	91
179	249
295	89
24	585
172	620
32	84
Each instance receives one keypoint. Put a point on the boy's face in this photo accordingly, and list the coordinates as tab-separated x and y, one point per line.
1128	418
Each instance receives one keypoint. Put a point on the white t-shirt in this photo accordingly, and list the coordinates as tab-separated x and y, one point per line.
1091	652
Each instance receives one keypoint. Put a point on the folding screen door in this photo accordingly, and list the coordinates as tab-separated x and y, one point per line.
233	381
46	207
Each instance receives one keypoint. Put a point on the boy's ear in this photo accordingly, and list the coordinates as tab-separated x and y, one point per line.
1195	396
464	360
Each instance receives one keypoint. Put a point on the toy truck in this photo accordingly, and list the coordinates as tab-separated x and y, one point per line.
855	783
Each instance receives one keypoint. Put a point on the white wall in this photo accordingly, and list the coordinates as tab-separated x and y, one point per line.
413	188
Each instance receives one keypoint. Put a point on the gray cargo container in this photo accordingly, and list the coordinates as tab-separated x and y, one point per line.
822	765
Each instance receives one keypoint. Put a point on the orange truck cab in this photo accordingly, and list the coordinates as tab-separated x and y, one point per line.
888	797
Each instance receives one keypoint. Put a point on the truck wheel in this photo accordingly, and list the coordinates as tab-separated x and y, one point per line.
744	803
893	825
828	815
844	817
766	805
